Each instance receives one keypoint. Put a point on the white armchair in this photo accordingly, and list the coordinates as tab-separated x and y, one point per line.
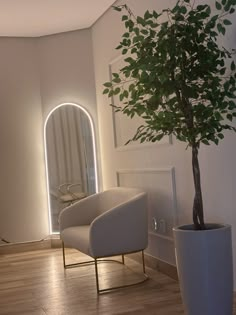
110	223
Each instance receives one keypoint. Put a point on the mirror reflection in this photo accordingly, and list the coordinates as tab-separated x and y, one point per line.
70	159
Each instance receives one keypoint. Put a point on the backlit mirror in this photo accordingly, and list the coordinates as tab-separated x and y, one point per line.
71	158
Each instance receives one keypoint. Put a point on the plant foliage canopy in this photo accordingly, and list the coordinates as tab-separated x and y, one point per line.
178	77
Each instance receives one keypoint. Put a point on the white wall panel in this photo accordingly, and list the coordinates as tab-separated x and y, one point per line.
160	186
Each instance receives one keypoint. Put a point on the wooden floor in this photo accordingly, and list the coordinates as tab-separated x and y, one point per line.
35	283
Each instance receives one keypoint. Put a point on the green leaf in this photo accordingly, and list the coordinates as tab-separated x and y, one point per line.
213	34
233	67
110	93
216	141
119	47
131	87
125	18
117	91
125	35
214	18
126	93
129	60
208	10
141	21
232	2
201	7
183	10
147	15
159	137
108	84
106	91
232	105
121	97
205	142
175	9
129	24
116	80
155	14
144	32
227	6
218	5
221	29
227	22
229	117
218	116
222	71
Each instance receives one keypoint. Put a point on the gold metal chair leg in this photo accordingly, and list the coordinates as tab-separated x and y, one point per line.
63	255
123	259
96	274
96	261
99	291
144	271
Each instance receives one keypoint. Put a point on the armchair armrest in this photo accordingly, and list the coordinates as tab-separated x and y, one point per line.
82	212
122	229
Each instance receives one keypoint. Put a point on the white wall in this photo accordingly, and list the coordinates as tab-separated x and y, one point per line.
66	70
36	75
23	208
217	163
67	73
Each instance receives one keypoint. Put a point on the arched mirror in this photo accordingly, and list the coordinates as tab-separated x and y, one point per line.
70	158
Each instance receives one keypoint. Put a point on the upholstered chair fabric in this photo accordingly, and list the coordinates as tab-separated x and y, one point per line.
109	223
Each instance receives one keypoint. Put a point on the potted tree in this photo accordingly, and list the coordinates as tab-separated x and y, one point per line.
180	79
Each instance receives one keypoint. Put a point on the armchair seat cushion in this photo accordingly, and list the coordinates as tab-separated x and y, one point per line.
77	237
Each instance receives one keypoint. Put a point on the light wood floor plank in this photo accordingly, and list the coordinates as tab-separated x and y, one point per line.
35	283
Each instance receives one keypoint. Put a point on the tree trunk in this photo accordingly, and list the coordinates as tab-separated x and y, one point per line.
198	217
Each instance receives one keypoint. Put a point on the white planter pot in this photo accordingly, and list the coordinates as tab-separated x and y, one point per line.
205	269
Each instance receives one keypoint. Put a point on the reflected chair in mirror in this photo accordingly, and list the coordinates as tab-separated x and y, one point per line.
106	224
70	193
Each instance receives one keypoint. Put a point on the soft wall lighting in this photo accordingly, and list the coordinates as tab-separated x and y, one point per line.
46	160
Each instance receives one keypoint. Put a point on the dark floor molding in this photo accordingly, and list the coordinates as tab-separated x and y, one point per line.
55	242
14	248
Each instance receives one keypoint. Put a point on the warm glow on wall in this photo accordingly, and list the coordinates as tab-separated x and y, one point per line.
46	155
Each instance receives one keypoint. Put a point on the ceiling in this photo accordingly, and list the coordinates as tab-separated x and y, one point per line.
33	18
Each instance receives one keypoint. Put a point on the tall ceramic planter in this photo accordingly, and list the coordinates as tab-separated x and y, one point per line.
205	269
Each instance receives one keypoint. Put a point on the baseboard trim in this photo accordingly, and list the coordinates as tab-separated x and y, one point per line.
150	261
14	248
157	264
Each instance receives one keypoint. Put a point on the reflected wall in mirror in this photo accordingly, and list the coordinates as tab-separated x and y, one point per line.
71	158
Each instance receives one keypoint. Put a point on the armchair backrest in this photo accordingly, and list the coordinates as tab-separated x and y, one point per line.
114	197
121	226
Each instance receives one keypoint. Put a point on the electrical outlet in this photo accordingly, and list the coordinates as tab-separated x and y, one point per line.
159	225
154	224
